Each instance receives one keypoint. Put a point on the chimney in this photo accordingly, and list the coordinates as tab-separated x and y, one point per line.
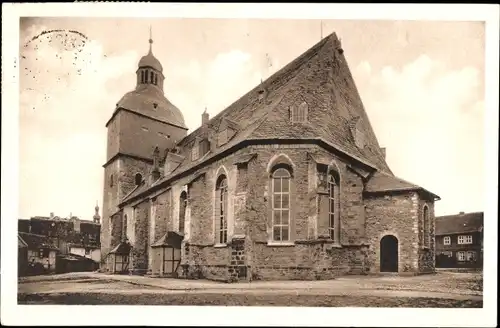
155	170
51	215
205	117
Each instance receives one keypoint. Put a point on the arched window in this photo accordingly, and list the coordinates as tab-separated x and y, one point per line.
182	211
142	77
111	180
426	226
332	206
151	77
124	228
281	183
138	179
221	201
156	79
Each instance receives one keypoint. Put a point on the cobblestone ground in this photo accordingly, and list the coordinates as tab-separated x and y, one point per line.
437	290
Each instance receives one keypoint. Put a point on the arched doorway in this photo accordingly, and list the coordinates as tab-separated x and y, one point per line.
389	254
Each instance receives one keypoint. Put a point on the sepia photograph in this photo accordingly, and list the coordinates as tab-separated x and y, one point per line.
218	161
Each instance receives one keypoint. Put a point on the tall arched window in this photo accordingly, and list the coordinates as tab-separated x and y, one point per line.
426	227
221	212
281	178
124	228
332	211
182	211
142	77
156	79
138	179
151	77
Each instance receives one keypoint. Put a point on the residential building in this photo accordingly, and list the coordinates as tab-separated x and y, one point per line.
70	236
36	254
459	240
288	182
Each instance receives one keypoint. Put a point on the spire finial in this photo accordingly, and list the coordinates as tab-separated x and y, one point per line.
150	39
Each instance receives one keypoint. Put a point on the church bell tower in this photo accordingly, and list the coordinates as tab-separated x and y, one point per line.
142	120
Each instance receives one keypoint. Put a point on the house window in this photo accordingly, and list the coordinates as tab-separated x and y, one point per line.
281	204
447	240
461	256
427	234
471	256
221	201
465	239
138	179
111	180
195	153
182	211
299	113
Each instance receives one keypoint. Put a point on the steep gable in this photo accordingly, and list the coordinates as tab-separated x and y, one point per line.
335	113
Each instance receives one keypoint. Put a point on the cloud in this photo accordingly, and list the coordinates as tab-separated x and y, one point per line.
214	85
430	119
65	99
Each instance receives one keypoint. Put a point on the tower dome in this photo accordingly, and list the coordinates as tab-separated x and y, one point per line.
150	60
148	97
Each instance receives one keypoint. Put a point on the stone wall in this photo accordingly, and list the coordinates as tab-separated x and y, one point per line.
396	215
141	245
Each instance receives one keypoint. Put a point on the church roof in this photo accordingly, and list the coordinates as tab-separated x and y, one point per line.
459	223
149	100
382	182
321	78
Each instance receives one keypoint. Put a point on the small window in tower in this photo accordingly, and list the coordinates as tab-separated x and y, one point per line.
142	76
151	76
138	179
156	79
111	180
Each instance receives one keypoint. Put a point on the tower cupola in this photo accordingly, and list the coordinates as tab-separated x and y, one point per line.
150	71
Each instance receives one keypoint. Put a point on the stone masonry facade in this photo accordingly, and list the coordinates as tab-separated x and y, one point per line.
341	198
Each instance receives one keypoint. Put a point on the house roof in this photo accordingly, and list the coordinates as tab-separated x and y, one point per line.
33	241
381	182
80	245
75	258
122	248
171	238
459	223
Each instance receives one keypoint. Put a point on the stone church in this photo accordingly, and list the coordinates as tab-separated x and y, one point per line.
288	182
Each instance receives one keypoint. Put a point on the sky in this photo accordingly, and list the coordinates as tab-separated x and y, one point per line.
421	82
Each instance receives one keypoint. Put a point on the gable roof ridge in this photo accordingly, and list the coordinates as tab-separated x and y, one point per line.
290	68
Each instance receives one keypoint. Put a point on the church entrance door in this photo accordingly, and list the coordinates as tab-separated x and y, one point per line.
389	254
